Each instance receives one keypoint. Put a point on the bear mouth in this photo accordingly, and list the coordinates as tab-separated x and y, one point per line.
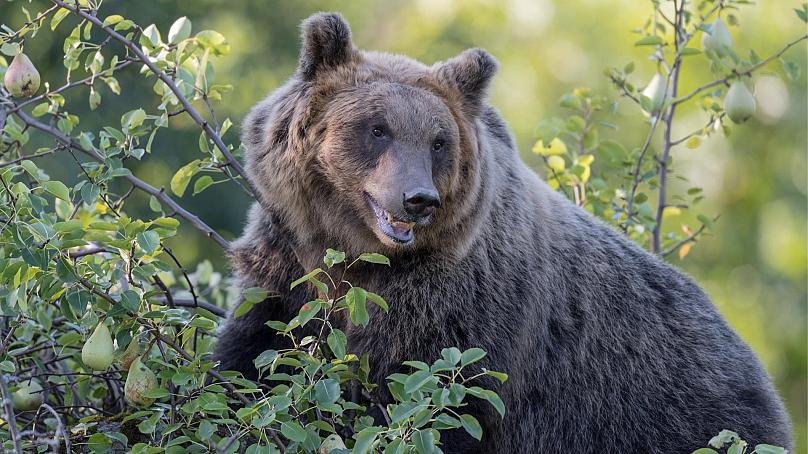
398	230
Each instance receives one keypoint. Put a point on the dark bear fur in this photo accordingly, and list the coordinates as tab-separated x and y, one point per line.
608	348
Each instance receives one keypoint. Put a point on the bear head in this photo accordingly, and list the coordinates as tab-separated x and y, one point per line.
367	151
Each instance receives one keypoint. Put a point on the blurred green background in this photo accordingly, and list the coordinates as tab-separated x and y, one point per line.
754	265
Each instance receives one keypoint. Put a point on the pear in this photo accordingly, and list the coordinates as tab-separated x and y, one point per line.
556	147
98	351
739	104
655	92
22	78
717	39
130	354
28	396
139	381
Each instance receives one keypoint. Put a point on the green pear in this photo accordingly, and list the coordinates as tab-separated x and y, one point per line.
22	78
28	396
140	381
130	354
655	92
97	352
717	39
739	104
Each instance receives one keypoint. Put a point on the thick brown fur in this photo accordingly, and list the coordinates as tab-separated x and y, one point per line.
608	348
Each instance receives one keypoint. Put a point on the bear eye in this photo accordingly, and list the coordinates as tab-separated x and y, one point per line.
437	145
377	132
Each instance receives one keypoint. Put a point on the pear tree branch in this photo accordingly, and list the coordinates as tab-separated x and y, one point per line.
186	104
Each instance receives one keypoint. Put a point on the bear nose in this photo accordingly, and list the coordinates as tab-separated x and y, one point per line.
421	202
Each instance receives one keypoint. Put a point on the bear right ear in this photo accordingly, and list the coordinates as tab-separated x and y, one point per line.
326	43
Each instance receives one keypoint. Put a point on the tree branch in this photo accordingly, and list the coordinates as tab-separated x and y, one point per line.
739	74
186	104
662	170
159	194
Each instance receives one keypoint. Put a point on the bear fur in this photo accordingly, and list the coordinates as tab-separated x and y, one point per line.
607	347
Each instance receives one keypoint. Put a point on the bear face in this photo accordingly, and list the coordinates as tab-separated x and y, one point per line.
390	150
370	151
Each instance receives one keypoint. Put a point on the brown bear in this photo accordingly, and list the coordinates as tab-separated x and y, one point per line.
608	348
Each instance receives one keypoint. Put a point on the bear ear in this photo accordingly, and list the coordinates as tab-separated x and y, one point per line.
326	43
470	73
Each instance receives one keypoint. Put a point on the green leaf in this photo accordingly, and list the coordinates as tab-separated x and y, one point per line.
293	431
723	437
213	41
57	189
305	278
180	30
254	294
802	13
337	342
41	109
58	17
148	240
202	183
687	51
502	377
649	41
472	426
769	449
180	180
356	298
150	37
365	439
417	380
327	391
496	401
451	354
374	258
112	20
132	119
791	69
705	451
10	49
403	411
471	356
333	257
424	441
378	300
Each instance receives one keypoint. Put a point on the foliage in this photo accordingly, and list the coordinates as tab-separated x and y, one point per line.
629	186
73	257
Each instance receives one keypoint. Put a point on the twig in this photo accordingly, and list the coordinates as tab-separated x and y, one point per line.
10	419
23	158
189	303
691	238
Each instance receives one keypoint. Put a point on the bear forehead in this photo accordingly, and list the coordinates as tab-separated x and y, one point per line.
401	106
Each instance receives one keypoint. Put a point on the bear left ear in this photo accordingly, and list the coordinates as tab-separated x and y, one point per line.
326	43
470	73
